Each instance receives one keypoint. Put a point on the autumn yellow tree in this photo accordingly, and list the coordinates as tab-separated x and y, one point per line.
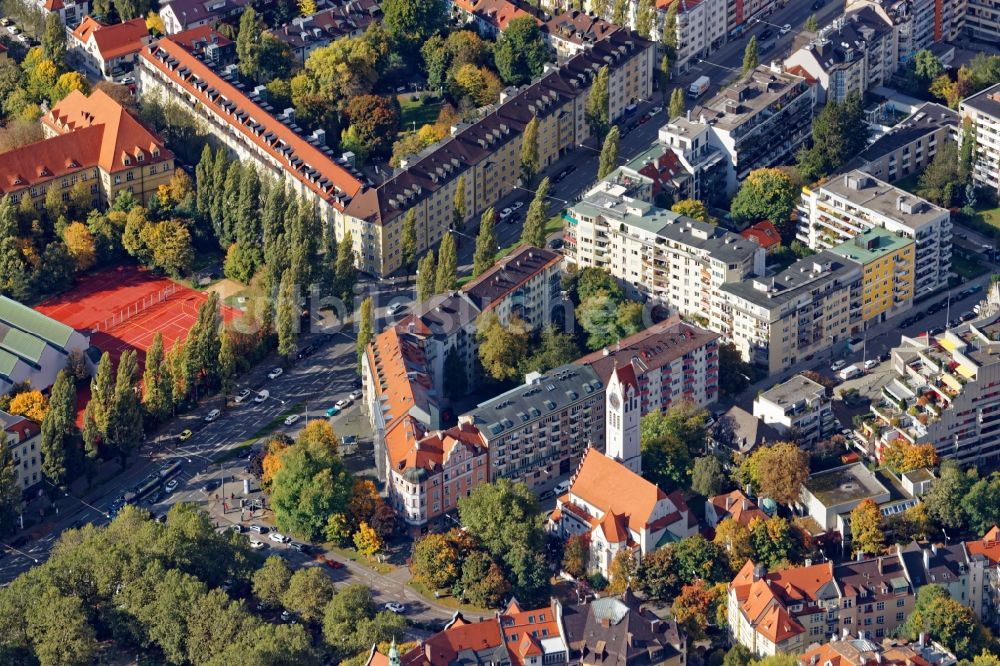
901	456
367	540
365	501
692	208
622	572
272	461
67	83
478	84
734	538
155	24
866	528
30	404
695	608
80	243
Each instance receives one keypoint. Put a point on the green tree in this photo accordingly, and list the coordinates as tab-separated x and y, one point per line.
352	624
597	108
227	361
657	575
667	440
459	208
691	208
533	232
426	277
249	42
811	24
554	348
504	518
677	104
57	626
436	561
942	182
501	348
124	433
311	484
576	556
734	373
156	381
776	542
982	504
58	428
366	330
619	13
945	501
644	16
664	74
707	477
408	243
839	132
737	655
750	58
447	265
766	194
529	150
669	35
608	161
54	40
309	591
778	471
486	244
10	489
483	583
409	23
699	559
520	52
287	320
270	582
950	622
346	272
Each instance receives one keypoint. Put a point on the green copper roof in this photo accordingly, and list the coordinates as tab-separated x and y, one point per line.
34	323
7	363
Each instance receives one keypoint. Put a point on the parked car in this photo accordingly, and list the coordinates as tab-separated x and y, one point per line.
212	415
259	529
967	315
278	537
185	435
332	411
241	396
785	29
644	119
305	351
937	330
818	4
395	308
354	395
4	21
837	365
505	213
333	564
767	33
561	176
655	110
517	205
556	243
237	528
396	608
286	616
976	288
256	545
262	396
171	485
870	363
300	547
291	419
274	374
343	403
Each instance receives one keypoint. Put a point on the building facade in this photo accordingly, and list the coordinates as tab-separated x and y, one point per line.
93	140
658	254
983	111
910	146
798	406
807	308
759	121
24	443
888	269
305	34
109	50
850	204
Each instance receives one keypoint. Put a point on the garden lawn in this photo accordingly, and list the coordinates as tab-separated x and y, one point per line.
967	268
416	112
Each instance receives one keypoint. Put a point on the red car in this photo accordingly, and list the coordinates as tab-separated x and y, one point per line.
333	564
644	119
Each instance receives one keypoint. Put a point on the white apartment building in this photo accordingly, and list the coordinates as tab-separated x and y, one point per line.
24	442
699	30
944	392
759	121
798	406
658	254
852	203
858	51
807	308
982	20
983	109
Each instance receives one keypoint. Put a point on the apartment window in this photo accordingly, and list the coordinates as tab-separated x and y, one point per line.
118	179
900	616
130	176
900	603
880	606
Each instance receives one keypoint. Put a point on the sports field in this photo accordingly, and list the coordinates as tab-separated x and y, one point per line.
124	307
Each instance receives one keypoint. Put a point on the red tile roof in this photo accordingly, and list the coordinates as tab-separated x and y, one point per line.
124	136
51	158
988	546
496	12
764	233
523	630
304	161
737	506
113	41
610	486
54	5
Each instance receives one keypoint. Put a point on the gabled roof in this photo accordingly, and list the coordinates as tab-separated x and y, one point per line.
987	547
498	13
123	136
50	158
411	451
509	274
113	41
737	506
316	170
15	315
764	233
607	484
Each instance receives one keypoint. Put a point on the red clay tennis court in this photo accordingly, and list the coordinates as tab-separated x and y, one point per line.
125	306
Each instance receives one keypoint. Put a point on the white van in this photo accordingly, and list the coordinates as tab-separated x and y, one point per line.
850	372
561	488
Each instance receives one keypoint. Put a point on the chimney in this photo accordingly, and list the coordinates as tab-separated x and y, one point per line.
927	559
729	502
879	566
923	639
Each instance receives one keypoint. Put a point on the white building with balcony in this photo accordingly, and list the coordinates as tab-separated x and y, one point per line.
983	110
852	203
799	408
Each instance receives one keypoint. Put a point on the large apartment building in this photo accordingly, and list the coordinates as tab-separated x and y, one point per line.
539	431
983	110
797	407
849	204
486	154
888	269
90	139
856	52
656	253
779	320
908	147
761	120
24	442
944	392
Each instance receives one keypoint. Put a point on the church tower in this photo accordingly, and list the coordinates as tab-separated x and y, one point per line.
622	410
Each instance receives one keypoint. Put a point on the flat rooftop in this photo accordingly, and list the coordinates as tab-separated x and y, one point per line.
926	120
793	390
810	273
752	93
851	483
985	101
871	245
866	191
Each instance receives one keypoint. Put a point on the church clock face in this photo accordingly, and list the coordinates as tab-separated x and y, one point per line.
615	401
